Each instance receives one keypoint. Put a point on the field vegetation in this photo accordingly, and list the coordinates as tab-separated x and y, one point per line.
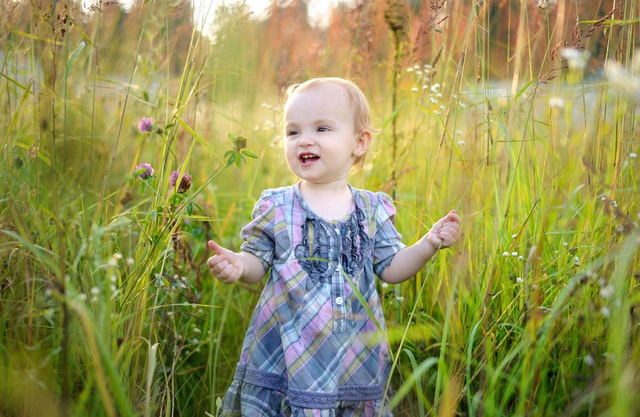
129	138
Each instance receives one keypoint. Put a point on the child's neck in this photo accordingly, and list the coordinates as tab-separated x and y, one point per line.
330	201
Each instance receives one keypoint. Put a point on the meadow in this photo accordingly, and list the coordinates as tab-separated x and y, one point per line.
129	138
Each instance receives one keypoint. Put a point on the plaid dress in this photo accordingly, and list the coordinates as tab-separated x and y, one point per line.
312	348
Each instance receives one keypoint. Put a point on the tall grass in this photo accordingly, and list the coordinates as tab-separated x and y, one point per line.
106	306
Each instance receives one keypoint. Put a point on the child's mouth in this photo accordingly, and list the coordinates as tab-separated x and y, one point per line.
308	159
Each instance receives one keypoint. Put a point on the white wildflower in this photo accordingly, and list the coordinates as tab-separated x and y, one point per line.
514	253
112	263
409	69
565	244
113	279
521	258
605	312
414	89
385	285
435	87
433	100
117	256
130	261
576	260
400	299
437	113
424	87
556	103
624	81
576	59
607	291
461	143
633	155
82	297
588	360
94	291
513	236
519	280
505	253
197	331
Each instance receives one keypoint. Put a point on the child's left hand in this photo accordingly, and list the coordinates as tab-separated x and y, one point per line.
445	232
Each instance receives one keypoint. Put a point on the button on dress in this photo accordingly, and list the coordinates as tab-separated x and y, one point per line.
312	347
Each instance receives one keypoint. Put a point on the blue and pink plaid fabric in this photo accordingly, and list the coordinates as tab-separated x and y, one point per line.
312	348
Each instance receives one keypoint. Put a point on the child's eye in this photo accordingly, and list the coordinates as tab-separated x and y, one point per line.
323	129
292	132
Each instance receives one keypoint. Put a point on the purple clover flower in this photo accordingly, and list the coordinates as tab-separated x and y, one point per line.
148	170
145	124
185	183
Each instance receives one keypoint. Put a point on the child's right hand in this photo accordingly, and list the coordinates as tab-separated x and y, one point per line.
225	265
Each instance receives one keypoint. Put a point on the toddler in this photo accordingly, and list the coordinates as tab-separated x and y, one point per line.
313	348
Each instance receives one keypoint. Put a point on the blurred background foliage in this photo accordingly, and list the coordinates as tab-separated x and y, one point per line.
521	115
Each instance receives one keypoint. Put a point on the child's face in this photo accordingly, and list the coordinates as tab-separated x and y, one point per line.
321	143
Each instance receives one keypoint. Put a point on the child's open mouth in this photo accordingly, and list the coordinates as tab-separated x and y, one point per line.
307	159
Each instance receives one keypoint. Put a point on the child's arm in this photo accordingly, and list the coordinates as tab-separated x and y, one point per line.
229	266
408	261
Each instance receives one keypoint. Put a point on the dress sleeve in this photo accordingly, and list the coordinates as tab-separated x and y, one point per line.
387	240
258	236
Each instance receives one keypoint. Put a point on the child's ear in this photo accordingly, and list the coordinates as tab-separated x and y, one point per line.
362	143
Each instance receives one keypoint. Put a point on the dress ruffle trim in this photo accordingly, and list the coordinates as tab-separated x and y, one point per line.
247	400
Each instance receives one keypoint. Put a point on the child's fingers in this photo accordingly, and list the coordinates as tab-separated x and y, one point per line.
217	249
453	216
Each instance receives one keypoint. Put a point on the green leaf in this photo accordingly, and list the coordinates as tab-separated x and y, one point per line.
250	154
74	56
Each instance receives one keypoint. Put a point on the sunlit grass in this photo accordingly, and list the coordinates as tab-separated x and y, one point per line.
106	304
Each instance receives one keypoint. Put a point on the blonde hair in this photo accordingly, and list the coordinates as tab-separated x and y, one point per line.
357	100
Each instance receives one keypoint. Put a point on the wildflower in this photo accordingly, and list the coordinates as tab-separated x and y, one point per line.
564	244
385	285
94	291
605	312
435	87
576	59
521	258
433	100
424	87
400	299
514	253
197	331
633	155
437	113
519	280
513	236
626	82
112	263
556	103
461	143
82	297
576	260
185	182
145	124
414	89
588	360
607	291
505	253
130	261
147	173
117	256
113	279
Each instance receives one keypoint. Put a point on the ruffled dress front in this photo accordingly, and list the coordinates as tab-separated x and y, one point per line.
312	347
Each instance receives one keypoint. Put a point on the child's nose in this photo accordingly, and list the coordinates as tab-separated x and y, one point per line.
307	140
